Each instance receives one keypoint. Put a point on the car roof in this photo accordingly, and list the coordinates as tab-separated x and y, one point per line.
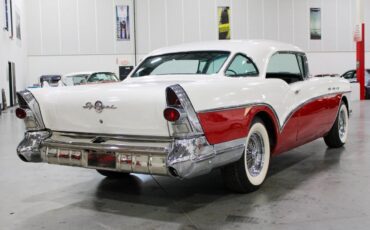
77	73
247	46
259	51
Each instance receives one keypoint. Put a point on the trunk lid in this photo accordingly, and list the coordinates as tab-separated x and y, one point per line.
133	107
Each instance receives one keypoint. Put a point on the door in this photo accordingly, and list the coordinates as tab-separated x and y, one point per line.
288	67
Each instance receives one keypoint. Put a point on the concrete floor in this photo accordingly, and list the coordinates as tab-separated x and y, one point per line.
310	187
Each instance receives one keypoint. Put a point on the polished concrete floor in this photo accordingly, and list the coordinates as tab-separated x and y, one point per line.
311	187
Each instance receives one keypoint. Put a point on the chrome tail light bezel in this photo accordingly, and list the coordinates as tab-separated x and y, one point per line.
189	117
29	103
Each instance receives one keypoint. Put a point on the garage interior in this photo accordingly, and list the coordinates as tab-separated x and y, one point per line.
310	187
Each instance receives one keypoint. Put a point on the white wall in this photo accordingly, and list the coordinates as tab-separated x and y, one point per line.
13	50
77	35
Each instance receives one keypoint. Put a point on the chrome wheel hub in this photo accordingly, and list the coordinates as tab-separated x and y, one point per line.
342	124
255	154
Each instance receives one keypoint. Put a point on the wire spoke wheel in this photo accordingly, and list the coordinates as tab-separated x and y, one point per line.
255	152
249	173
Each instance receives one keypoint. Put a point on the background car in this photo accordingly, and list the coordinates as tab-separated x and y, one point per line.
82	78
327	75
351	76
52	80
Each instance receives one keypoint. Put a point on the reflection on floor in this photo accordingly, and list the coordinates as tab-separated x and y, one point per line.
311	187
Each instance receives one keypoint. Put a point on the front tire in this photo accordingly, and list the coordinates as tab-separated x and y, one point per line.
112	174
249	173
337	136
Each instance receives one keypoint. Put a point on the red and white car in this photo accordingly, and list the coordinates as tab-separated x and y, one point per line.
188	109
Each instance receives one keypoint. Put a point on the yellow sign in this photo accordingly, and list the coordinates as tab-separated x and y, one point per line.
224	23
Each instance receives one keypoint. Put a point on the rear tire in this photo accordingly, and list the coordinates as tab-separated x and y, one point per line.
337	136
112	174
249	173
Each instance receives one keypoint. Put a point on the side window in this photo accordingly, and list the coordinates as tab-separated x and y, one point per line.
283	63
287	67
348	75
303	65
241	66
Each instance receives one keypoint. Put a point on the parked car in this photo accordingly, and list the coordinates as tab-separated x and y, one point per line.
327	75
50	80
82	78
188	109
351	76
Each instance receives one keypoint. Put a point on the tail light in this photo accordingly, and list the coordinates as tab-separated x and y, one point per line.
181	114
171	114
21	113
29	111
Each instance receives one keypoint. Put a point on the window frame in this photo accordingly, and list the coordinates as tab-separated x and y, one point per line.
306	71
241	75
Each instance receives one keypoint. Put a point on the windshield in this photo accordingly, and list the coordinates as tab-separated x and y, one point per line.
202	62
99	77
75	79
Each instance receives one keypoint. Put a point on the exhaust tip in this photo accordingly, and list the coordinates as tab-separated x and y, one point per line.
22	158
173	172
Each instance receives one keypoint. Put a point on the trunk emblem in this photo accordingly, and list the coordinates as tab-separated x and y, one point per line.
98	106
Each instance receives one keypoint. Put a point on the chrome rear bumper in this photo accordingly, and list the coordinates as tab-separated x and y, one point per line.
183	158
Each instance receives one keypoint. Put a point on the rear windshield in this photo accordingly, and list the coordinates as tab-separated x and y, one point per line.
207	63
75	79
101	77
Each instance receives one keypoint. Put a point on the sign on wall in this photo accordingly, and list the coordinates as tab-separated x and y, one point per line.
224	23
315	23
18	26
123	22
6	15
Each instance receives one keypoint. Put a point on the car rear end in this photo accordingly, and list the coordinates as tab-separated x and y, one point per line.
180	149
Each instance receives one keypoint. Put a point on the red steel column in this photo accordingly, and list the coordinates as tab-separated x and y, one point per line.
361	62
360	48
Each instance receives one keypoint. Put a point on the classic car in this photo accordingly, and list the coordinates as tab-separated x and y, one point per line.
351	76
83	78
188	109
50	80
327	75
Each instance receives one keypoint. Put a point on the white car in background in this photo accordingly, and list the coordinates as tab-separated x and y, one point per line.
83	78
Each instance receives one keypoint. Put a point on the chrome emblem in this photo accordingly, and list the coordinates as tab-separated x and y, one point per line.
98	106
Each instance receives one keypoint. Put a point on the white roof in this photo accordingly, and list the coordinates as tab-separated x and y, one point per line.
78	73
259	51
247	46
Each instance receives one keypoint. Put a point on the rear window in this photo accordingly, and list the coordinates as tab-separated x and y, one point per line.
198	62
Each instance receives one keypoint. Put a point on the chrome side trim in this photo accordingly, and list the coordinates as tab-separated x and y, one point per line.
281	127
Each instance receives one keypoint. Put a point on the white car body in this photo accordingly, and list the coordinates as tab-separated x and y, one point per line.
223	108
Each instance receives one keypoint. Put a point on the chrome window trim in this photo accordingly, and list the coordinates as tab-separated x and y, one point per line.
245	75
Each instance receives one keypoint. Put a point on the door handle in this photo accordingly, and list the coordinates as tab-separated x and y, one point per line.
297	91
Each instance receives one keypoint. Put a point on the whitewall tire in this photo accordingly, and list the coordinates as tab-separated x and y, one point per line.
338	134
249	173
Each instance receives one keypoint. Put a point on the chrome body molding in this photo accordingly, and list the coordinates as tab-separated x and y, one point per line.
281	127
181	158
